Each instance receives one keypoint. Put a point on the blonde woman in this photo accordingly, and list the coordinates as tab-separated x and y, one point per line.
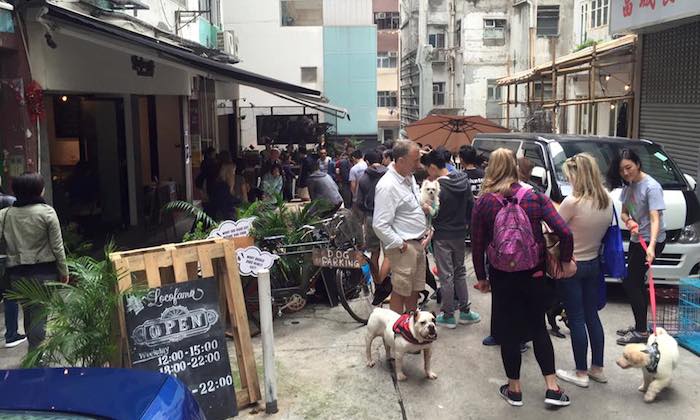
224	200
518	297
588	211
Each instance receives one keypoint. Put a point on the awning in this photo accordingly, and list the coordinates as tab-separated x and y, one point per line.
573	61
298	94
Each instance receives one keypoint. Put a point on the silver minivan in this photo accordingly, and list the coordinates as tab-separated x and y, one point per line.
547	152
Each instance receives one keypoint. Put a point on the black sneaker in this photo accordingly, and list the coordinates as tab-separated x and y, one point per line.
624	331
557	398
633	337
382	291
514	398
15	341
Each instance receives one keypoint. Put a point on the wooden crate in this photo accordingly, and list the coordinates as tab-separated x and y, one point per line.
176	263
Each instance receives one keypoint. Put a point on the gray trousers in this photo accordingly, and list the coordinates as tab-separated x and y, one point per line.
452	274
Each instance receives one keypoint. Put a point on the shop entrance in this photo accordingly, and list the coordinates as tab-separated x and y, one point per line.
88	162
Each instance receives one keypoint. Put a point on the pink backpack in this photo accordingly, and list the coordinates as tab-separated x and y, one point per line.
513	247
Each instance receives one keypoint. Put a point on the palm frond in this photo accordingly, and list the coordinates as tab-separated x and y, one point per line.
191	210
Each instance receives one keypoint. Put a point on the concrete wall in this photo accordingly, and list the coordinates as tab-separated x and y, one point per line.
267	47
109	69
347	13
483	59
350	75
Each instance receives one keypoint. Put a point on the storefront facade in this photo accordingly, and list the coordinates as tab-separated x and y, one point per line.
668	107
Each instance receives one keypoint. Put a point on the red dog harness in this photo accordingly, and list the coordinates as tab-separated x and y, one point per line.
402	327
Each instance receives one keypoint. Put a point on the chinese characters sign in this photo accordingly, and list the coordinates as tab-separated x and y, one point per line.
631	15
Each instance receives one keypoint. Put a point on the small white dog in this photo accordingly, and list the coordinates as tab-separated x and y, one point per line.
657	359
402	334
430	196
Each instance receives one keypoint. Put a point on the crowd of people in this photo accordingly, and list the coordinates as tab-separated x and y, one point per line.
382	188
472	195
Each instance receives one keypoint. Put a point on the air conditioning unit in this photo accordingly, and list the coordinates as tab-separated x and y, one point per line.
393	54
227	41
381	15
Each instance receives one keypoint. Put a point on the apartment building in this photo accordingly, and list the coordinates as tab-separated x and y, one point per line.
387	19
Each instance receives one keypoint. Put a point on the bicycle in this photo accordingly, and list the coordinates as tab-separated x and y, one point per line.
294	277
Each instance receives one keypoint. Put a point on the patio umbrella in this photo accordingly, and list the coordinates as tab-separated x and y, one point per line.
450	131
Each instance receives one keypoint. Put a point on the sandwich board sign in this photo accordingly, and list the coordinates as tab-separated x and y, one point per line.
177	329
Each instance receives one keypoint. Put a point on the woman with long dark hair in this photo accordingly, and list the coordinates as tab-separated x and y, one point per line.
32	234
643	208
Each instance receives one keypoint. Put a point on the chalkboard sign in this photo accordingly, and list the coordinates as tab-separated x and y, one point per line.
177	329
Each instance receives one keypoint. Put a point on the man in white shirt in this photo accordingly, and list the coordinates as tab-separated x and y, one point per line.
400	223
324	160
359	167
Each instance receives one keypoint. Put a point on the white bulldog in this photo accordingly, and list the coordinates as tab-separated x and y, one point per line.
402	334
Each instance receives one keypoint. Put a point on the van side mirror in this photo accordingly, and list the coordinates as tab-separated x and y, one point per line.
691	182
539	175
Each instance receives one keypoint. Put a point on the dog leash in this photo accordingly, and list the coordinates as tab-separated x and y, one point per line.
652	289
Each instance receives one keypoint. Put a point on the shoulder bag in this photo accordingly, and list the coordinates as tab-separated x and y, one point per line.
612	253
552	262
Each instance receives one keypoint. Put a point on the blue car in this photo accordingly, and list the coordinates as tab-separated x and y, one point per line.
94	393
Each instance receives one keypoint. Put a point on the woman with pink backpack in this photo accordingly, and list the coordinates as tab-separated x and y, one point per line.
507	227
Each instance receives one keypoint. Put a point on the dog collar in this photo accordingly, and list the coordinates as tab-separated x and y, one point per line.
654	357
402	327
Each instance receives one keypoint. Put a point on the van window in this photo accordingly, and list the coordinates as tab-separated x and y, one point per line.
655	161
534	153
486	146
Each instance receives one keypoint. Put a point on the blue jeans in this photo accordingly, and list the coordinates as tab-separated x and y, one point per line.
11	318
580	295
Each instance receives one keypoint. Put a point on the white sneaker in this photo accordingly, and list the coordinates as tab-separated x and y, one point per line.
571	376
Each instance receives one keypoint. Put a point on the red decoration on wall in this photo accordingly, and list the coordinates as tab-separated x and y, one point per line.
35	101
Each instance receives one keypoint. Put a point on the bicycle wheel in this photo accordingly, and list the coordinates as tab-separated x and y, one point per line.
355	293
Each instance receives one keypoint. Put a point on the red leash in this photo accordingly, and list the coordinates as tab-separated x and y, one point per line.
652	290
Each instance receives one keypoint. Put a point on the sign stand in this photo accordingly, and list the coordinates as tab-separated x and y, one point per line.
177	263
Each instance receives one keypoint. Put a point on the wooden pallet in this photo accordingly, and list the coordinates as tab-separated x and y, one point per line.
176	263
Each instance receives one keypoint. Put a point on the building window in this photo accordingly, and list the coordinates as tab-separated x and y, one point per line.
386	99
543	87
387	20
301	12
388	135
308	74
386	60
439	93
437	40
494	28
584	23
493	90
599	13
547	20
458	33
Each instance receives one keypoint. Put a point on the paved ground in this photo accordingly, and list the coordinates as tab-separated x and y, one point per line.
322	374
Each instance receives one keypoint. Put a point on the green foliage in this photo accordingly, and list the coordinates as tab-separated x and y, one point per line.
73	242
191	210
200	232
586	44
81	324
278	220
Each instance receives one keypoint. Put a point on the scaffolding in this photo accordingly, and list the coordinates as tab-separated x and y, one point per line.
596	63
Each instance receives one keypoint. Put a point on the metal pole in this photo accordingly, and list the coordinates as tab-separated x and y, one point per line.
268	341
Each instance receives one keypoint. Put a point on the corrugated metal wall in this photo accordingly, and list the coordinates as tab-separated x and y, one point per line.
670	101
347	13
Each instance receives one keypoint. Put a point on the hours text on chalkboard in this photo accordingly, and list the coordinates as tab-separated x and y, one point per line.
177	329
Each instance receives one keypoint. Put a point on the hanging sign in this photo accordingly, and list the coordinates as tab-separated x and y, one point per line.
251	260
233	229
